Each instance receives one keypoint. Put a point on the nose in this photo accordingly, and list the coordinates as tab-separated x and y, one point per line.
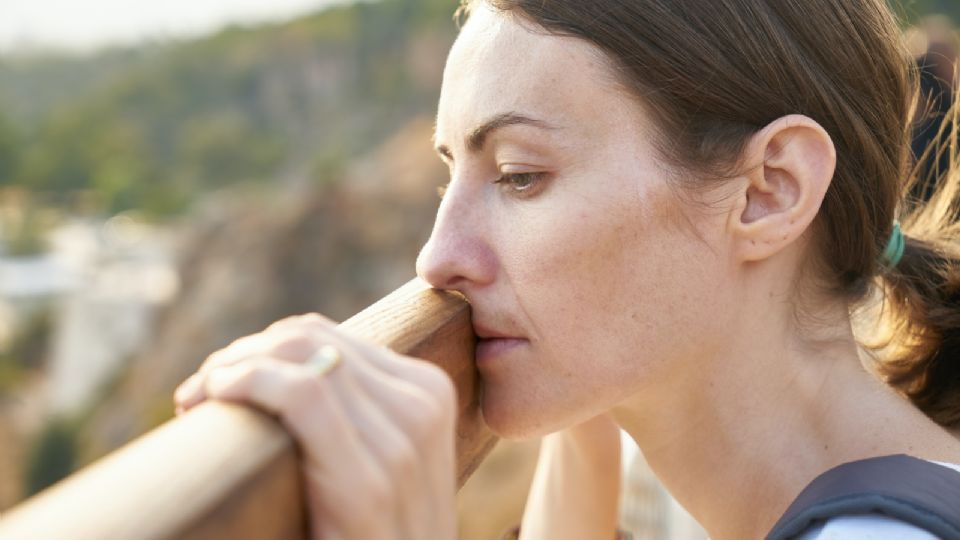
457	256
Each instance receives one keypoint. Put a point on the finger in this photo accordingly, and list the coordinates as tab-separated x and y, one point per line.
399	396
189	393
260	381
415	395
370	403
287	340
415	371
283	342
427	428
342	471
294	339
323	330
302	320
412	392
388	447
286	343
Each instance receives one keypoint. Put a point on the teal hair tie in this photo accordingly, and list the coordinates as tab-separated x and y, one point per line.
894	250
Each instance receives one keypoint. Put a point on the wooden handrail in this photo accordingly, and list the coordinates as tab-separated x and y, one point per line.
226	471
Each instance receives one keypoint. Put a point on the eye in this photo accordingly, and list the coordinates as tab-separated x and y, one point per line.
521	183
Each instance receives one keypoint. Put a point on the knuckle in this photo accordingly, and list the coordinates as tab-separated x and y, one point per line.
230	353
311	319
427	421
428	375
402	460
314	318
283	323
436	402
222	381
422	426
214	359
300	397
439	385
378	491
293	344
255	374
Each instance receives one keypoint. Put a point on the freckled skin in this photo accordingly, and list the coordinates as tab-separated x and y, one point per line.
599	269
679	317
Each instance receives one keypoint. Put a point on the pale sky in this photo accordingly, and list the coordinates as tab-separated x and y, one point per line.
88	24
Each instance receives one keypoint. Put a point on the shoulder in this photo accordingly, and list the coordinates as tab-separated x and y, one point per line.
874	527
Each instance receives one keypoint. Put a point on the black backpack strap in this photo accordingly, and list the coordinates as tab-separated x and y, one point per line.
915	491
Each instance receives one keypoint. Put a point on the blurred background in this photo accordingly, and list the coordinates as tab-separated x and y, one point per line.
177	174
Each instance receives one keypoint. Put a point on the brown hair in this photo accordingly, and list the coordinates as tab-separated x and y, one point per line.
715	72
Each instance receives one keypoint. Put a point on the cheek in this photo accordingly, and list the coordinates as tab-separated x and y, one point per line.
585	281
602	267
597	282
610	288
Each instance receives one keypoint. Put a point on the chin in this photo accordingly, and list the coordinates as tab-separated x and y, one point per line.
514	419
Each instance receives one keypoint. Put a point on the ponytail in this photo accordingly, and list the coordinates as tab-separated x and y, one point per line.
918	341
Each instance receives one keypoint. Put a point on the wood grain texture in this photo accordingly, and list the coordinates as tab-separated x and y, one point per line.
225	471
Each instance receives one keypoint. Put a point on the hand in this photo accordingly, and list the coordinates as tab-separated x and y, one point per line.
376	432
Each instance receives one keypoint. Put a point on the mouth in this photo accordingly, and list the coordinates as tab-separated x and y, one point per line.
485	332
490	349
493	344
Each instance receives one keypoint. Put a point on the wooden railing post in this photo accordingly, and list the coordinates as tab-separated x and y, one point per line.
226	471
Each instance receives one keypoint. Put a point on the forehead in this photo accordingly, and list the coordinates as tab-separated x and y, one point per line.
503	63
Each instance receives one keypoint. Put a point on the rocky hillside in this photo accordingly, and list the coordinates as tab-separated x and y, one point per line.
155	127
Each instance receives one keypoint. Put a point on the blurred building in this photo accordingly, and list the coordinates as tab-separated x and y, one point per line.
122	273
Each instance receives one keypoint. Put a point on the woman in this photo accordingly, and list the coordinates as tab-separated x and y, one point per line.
663	213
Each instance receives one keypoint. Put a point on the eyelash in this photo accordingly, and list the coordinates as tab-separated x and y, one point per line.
510	181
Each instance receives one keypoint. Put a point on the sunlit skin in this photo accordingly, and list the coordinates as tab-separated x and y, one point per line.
602	288
576	259
675	311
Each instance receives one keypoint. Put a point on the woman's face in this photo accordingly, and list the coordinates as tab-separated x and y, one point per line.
592	277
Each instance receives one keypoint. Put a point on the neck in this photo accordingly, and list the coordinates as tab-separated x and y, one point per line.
737	459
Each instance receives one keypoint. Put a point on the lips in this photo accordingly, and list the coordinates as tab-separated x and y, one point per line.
493	344
488	332
488	350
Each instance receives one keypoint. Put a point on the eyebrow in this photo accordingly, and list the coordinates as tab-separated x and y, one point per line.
477	138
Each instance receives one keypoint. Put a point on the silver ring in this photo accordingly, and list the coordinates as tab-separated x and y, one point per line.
324	360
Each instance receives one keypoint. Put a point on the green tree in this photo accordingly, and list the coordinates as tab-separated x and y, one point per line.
9	152
914	9
244	105
53	456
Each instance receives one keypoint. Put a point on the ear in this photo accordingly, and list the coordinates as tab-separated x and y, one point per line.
791	164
